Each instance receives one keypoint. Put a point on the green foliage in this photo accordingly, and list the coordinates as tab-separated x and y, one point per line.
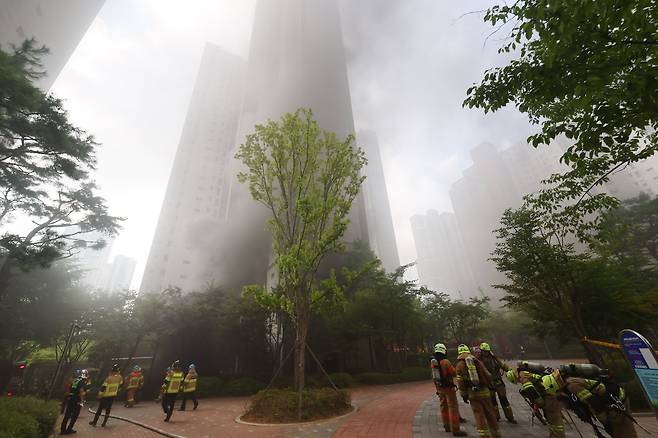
454	320
27	417
15	424
45	172
38	308
280	405
307	179
587	70
343	380
228	386
571	288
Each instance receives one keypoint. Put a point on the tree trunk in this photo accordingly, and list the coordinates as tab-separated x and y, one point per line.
592	354
133	350
301	330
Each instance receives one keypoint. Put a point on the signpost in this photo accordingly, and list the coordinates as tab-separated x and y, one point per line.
643	361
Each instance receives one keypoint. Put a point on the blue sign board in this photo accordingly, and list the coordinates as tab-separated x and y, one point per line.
642	358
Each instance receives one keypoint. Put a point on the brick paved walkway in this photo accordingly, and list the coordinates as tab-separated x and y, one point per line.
216	418
404	410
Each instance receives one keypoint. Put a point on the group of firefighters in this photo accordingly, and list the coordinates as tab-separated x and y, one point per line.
478	375
174	382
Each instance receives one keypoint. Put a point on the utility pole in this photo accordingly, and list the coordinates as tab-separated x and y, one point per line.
74	326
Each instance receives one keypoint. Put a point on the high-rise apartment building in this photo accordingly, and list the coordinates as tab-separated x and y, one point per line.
59	25
479	199
442	262
210	229
119	274
378	211
296	60
194	206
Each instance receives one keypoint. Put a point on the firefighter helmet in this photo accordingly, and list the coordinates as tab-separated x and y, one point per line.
463	348
115	367
485	347
512	376
440	348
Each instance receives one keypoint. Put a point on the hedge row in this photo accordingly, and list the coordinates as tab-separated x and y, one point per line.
234	386
27	417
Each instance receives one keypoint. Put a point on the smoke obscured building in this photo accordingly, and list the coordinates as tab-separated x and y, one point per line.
442	262
194	206
378	211
57	24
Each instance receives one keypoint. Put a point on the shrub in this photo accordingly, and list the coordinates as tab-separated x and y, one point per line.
342	380
413	374
243	386
15	424
209	386
42	413
222	386
280	405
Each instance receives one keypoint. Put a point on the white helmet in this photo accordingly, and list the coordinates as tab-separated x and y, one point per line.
440	348
84	374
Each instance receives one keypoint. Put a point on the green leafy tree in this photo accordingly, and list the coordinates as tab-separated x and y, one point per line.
568	291
45	172
587	70
307	179
455	320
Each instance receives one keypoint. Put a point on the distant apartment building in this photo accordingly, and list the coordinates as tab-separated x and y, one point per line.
442	262
57	24
119	274
92	262
479	199
194	206
381	233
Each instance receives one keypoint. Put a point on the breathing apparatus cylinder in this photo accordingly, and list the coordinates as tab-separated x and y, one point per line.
532	367
584	370
472	371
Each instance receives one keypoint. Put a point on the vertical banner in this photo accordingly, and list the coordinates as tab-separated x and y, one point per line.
642	358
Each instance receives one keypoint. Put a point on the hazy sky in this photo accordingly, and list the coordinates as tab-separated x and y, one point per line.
410	61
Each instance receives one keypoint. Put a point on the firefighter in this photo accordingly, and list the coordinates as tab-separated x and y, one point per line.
496	368
605	401
74	401
107	394
443	374
474	381
134	381
189	387
535	394
172	385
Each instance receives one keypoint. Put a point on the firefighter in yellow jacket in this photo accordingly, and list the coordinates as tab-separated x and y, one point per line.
108	392
606	401
172	385
189	387
532	389
473	381
496	367
134	381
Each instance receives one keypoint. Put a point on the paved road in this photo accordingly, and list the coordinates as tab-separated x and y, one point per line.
405	410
